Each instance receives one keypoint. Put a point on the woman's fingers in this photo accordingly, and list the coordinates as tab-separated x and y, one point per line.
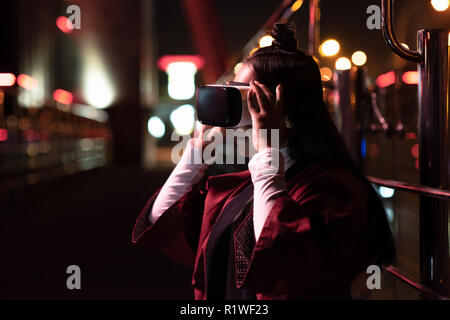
252	103
279	98
266	91
261	98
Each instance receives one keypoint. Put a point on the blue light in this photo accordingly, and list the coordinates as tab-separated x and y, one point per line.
363	148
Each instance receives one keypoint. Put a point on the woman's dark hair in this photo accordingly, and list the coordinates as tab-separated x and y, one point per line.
314	136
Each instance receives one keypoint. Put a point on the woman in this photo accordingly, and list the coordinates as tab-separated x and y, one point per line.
303	229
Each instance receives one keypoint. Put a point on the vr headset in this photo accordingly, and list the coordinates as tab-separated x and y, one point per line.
223	105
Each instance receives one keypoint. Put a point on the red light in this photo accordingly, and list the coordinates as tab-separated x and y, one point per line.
64	24
164	61
411	135
411	77
415	150
27	82
7	79
62	96
31	135
386	79
3	134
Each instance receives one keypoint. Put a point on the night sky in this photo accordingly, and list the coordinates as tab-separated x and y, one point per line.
344	20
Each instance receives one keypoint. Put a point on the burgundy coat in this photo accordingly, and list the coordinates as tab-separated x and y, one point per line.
310	247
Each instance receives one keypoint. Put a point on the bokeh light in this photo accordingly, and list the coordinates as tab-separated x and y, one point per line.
265	41
97	87
440	5
27	82
326	73
329	48
183	119
359	58
296	5
7	79
343	64
386	192
156	127
181	76
64	24
237	67
62	96
411	77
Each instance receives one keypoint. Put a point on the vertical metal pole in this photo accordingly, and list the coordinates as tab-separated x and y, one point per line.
314	27
434	140
345	100
360	87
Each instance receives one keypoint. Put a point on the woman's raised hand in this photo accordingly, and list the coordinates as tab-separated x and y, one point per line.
267	112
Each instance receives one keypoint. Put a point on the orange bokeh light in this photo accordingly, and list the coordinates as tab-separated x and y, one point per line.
62	96
27	82
411	77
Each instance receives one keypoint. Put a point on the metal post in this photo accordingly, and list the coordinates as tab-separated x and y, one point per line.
360	87
314	27
387	27
434	140
433	64
345	105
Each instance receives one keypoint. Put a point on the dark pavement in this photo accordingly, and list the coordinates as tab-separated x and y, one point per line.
85	219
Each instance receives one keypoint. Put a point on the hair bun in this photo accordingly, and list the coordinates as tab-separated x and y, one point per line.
284	37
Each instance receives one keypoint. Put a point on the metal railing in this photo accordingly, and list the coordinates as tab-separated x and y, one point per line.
433	88
425	291
387	27
442	194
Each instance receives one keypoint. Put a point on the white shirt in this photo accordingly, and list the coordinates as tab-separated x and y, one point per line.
267	177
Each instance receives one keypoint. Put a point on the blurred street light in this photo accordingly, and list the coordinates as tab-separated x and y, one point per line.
27	82
98	89
183	119
237	67
64	24
62	96
326	73
359	58
265	41
181	76
156	127
386	79
296	5
329	48
7	79
343	64
181	70
410	77
440	5
386	192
